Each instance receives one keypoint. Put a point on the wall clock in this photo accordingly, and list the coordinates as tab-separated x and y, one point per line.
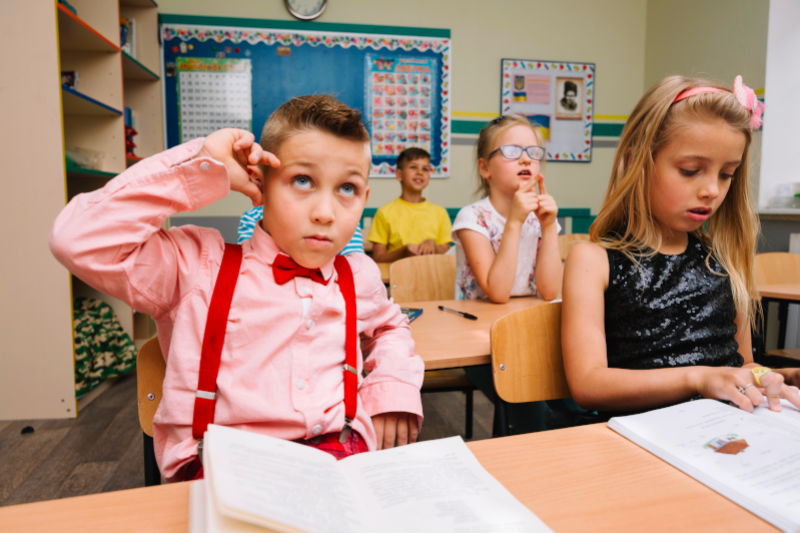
306	9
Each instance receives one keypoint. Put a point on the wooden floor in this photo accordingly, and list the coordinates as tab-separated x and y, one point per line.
101	450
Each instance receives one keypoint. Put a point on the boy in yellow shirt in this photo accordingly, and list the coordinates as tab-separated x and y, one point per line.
410	225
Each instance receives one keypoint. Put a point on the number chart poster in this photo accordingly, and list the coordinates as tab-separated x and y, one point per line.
400	84
212	94
558	99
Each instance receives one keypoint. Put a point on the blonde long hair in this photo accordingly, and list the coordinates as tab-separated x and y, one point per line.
626	223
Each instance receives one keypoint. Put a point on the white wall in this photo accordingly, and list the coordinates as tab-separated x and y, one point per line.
609	33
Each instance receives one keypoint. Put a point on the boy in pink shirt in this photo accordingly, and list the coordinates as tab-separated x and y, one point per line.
281	369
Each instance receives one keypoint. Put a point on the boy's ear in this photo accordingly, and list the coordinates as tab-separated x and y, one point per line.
367	196
398	173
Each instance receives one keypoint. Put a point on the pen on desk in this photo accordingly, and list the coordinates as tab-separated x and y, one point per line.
465	315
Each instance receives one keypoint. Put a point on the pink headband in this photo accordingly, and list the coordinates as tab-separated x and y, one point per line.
744	95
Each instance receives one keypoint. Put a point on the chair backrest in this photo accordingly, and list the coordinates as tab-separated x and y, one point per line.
777	268
423	278
150	370
567	242
526	355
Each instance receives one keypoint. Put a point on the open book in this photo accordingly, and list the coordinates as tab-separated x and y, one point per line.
751	459
253	482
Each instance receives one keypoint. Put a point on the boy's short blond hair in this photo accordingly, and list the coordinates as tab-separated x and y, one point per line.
313	112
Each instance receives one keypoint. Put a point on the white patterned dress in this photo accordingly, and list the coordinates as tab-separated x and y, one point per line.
484	219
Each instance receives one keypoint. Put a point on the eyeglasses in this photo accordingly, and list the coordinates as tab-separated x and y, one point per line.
512	151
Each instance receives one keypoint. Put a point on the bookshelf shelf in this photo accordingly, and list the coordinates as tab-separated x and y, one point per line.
132	160
78	172
134	70
138	3
77	103
76	35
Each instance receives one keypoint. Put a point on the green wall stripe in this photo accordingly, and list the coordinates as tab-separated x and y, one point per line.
607	130
473	127
580	215
300	25
466	127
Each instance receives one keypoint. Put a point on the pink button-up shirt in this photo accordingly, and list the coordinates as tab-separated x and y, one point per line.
282	362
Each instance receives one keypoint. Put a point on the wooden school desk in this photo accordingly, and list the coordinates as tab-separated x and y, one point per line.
445	340
784	295
576	480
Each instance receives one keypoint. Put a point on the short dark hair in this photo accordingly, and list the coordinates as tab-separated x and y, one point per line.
314	112
411	154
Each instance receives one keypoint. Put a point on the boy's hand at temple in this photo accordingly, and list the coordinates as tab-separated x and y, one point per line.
395	429
241	155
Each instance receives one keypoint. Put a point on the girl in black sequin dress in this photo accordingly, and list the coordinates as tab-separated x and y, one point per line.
657	308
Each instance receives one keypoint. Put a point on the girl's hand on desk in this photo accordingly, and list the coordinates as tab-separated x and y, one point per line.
724	384
242	157
395	429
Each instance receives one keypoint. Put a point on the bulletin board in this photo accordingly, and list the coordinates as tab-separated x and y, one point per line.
225	72
557	98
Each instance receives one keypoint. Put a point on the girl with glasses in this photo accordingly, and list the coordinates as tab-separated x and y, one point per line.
507	242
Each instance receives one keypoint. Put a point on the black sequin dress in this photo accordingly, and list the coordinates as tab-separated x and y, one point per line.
671	311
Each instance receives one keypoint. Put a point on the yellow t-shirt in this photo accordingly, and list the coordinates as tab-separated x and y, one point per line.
399	223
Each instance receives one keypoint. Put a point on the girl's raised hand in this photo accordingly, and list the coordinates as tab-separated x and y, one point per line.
525	201
241	155
548	210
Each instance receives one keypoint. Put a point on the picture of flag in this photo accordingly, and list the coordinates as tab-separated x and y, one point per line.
541	123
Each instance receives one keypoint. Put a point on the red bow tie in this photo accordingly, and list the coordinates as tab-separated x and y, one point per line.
285	269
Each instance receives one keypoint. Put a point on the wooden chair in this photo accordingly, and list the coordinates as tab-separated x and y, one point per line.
425	278
567	242
150	370
527	364
779	268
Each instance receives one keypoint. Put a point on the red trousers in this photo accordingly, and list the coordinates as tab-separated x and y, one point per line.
327	443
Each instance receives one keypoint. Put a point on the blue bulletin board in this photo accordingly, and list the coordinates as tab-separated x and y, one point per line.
226	72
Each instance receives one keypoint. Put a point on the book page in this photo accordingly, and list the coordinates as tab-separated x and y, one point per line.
787	421
733	452
436	486
279	484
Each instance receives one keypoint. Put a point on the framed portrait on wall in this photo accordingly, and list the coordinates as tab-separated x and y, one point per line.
569	102
557	98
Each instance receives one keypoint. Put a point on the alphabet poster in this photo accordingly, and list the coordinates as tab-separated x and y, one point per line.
557	98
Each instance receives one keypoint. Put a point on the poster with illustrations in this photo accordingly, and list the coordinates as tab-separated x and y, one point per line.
226	72
557	98
401	104
213	94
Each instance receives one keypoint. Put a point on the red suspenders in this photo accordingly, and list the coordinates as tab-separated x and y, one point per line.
214	337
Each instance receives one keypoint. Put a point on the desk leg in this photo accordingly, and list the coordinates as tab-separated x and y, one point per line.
783	316
500	418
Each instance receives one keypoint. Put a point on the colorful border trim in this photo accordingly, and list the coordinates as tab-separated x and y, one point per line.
362	41
198	20
542	65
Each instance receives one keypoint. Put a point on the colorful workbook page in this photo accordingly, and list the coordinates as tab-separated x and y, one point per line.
254	481
753	459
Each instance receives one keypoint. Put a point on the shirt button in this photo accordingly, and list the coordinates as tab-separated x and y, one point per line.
301	384
304	289
316	430
205	165
309	324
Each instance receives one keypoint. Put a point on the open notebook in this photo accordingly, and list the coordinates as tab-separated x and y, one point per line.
751	459
256	483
